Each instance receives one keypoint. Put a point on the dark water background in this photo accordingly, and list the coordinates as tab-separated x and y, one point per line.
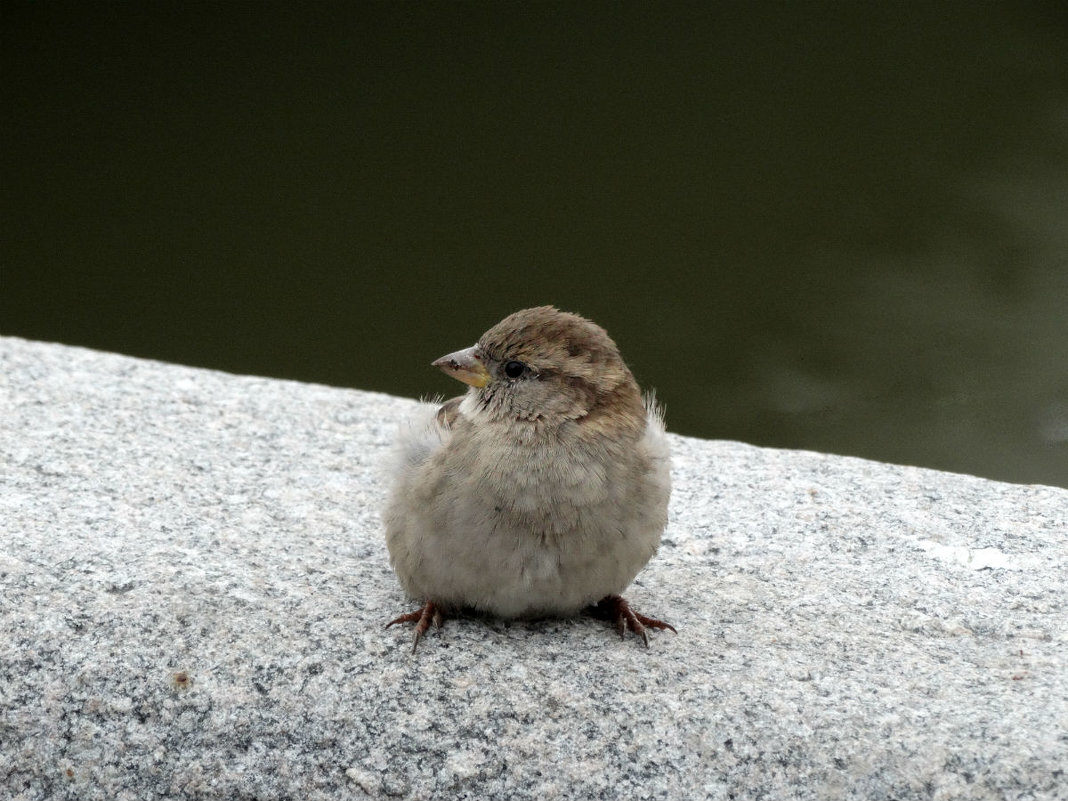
837	226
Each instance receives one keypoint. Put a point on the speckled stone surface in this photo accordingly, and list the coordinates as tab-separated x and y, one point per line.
194	586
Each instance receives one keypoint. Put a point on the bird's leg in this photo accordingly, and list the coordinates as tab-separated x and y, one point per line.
616	609
423	617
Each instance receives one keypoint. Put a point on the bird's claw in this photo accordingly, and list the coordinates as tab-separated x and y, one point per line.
616	609
423	617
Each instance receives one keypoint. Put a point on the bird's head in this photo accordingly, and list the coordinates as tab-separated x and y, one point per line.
549	367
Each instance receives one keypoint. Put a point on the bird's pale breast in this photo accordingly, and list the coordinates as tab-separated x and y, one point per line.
540	528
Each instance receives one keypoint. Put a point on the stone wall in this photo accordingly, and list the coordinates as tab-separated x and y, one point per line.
194	587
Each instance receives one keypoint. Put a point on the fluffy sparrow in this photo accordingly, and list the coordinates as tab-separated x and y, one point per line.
542	491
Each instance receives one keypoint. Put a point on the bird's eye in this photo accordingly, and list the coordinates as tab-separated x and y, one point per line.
514	369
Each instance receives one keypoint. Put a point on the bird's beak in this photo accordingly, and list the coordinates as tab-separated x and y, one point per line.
465	365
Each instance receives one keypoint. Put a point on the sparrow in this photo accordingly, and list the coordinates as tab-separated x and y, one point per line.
542	491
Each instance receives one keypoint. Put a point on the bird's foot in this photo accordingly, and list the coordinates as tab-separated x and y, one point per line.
429	613
616	609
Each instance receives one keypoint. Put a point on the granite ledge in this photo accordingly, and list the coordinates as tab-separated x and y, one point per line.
194	585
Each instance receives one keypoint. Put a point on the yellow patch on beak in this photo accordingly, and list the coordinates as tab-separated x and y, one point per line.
465	365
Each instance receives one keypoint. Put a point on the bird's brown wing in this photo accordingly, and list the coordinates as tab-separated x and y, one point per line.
449	411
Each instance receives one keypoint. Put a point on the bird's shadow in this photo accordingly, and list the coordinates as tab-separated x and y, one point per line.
556	630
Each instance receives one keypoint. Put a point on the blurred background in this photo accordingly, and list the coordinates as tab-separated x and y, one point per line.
822	225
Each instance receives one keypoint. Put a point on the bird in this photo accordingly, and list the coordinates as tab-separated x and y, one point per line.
542	491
